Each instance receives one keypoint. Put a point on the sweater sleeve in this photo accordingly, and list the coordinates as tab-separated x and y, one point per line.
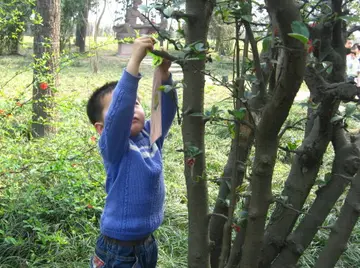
114	140
168	111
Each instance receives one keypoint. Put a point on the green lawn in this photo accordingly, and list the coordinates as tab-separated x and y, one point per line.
52	189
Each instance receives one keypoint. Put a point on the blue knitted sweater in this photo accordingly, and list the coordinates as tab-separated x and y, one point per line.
135	188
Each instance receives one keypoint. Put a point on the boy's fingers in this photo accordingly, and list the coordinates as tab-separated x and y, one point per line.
147	38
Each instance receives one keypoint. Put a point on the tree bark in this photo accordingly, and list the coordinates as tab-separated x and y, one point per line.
95	59
193	137
346	163
82	27
344	225
318	134
46	47
236	155
274	115
242	143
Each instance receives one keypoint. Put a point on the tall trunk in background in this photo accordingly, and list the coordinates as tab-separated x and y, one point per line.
95	59
199	14
81	27
46	50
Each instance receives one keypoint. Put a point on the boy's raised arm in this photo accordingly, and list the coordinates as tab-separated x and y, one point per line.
114	140
168	109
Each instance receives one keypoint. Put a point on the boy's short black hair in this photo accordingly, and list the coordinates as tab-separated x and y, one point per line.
94	106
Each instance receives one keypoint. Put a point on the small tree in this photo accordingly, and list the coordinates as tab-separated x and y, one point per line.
304	42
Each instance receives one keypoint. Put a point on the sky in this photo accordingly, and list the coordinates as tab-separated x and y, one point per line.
109	15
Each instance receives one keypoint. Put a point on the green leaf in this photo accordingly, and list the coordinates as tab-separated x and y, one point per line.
291	145
350	108
336	118
168	11
192	151
299	27
199	47
231	128
10	240
349	19
356	117
266	44
181	32
320	183
143	8
327	177
156	60
165	88
240	189
247	18
238	114
302	38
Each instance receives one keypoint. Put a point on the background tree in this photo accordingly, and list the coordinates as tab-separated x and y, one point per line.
46	50
14	19
70	11
95	59
81	26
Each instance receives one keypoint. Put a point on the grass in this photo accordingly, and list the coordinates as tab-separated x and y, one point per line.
52	189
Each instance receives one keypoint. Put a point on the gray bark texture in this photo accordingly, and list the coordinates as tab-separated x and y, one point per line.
273	117
193	136
346	163
46	44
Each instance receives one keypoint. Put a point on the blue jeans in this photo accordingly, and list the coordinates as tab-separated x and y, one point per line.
108	254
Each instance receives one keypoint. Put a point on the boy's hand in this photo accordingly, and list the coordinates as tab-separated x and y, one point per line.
140	47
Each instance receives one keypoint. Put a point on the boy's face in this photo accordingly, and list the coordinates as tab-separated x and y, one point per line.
137	122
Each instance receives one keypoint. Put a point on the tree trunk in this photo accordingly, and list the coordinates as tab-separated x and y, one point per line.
274	115
15	44
344	225
318	134
236	156
346	163
82	28
95	59
46	48
193	137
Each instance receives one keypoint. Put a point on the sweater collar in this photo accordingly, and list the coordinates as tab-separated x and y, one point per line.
137	137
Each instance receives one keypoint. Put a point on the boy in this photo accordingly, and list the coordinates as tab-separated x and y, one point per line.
134	184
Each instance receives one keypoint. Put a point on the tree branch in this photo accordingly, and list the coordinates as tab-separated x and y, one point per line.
273	117
256	57
344	225
168	56
288	206
290	126
352	30
173	42
343	91
177	14
345	163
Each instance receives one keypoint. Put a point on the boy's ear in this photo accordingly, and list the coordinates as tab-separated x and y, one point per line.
99	127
